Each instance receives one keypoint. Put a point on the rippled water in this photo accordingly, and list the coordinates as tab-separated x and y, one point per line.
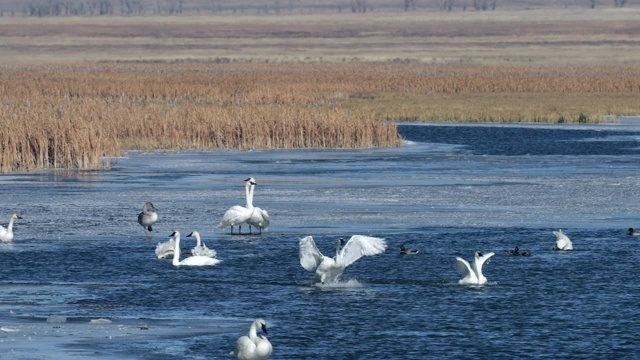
81	279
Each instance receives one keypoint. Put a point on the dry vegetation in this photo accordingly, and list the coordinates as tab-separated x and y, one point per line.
247	81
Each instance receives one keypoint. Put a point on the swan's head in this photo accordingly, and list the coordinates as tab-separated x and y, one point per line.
250	181
341	241
194	234
175	233
478	254
15	217
260	323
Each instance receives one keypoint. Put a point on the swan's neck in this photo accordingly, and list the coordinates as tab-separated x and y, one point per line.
253	335
198	240
338	250
176	250
477	267
10	226
250	196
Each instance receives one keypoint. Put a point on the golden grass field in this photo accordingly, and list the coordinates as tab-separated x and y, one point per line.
76	89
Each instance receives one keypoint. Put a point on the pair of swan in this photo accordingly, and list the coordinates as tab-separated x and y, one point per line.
563	242
7	234
249	214
329	269
255	346
166	249
194	259
472	273
148	216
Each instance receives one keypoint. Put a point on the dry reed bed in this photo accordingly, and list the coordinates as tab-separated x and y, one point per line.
73	116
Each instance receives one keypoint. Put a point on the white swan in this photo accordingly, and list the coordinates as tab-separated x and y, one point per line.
148	216
329	269
255	346
238	215
201	248
472	274
165	250
191	260
259	217
7	234
562	241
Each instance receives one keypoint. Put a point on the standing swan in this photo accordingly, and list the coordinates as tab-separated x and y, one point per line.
329	269
201	248
191	260
259	218
238	215
472	273
255	346
7	234
562	241
148	216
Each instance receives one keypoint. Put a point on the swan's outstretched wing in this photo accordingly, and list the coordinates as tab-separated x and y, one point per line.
359	246
165	249
482	259
310	256
562	241
463	267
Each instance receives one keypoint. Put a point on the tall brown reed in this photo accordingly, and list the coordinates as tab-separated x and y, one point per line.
74	115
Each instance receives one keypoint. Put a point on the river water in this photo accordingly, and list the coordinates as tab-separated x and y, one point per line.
81	281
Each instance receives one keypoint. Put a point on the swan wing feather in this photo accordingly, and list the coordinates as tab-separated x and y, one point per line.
310	256
463	266
482	259
245	348
234	216
359	246
199	261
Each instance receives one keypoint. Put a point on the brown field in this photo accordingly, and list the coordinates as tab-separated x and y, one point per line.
77	88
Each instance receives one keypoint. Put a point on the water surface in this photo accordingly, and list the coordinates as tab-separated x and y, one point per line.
81	279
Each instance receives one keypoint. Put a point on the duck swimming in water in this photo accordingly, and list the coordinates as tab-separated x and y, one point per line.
515	252
633	232
405	251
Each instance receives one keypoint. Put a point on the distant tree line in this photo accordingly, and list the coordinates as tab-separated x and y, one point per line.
41	8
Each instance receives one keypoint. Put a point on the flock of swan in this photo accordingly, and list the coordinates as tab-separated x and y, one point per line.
327	269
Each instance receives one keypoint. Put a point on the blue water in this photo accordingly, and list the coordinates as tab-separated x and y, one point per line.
79	255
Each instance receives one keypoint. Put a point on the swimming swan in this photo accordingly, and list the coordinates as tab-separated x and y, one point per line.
148	216
259	217
255	346
191	260
201	248
562	241
7	234
472	274
165	249
238	215
329	269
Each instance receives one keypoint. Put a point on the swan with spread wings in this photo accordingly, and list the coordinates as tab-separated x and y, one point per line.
329	269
